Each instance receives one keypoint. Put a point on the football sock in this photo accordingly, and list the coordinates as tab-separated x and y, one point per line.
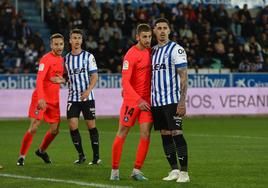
26	143
76	138
141	152
48	138
117	151
170	151
181	147
94	138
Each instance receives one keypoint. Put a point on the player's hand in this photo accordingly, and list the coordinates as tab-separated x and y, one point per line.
84	95
181	109
143	105
58	79
41	104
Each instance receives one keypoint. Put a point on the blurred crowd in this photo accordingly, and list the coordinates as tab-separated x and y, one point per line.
20	47
213	36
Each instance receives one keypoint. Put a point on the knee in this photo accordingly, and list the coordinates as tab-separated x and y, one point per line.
122	132
176	132
32	130
54	131
165	132
145	134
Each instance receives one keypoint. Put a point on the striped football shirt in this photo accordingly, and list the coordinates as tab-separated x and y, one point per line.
165	85
79	68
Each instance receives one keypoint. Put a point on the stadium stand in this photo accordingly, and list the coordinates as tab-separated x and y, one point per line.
216	39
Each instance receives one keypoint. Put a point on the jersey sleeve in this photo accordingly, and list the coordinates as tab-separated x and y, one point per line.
41	74
92	68
179	57
127	71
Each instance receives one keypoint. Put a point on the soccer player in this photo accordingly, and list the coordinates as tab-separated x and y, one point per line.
136	83
82	73
168	95
45	100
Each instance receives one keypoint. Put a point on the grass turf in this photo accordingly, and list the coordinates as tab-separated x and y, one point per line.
223	152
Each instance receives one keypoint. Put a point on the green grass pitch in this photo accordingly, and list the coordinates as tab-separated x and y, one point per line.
224	152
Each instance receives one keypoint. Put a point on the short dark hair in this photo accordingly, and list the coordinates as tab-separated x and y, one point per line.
161	20
76	31
143	28
56	36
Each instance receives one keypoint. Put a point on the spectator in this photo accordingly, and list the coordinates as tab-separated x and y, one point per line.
91	44
106	32
95	11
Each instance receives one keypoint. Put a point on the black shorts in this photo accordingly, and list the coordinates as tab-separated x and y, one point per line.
165	117
87	107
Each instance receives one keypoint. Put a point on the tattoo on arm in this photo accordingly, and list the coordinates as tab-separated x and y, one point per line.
183	83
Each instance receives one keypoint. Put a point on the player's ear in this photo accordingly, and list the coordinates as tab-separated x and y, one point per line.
154	30
137	37
50	44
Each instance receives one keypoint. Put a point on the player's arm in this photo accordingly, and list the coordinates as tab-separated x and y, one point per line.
127	72
93	72
93	80
181	109
58	79
180	58
41	74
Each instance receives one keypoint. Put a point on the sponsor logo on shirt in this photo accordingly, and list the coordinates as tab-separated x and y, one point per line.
125	65
41	67
94	62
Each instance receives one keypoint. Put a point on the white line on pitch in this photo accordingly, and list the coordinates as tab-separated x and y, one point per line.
195	135
81	183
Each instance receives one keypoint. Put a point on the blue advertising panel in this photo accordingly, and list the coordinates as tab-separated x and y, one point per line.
27	81
250	80
17	81
209	80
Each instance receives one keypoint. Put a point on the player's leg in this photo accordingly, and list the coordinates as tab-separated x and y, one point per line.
145	120
161	123
128	115
117	149
175	125
88	111
51	116
27	140
48	138
182	151
73	112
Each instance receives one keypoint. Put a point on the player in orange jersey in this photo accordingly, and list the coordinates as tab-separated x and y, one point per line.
45	100
136	83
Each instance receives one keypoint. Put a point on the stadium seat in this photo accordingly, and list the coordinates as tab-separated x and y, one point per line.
202	71
191	71
213	71
225	70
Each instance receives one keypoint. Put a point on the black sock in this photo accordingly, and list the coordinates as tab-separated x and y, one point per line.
181	146
94	138
170	151
76	138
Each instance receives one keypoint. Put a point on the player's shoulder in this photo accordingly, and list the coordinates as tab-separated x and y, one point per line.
131	53
45	59
178	49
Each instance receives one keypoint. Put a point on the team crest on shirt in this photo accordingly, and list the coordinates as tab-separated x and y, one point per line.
166	56
125	65
41	67
36	112
126	119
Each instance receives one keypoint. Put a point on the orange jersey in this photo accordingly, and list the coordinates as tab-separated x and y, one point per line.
49	66
136	74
